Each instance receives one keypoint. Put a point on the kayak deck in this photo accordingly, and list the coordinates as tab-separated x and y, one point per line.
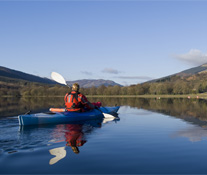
65	117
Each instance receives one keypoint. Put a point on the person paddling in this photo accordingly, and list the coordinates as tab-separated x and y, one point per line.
77	102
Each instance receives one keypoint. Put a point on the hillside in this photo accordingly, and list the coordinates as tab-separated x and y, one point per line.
18	76
190	81
16	83
14	76
186	74
193	71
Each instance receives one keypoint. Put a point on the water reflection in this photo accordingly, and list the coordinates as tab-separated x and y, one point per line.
192	133
72	135
59	154
12	106
179	107
192	111
75	137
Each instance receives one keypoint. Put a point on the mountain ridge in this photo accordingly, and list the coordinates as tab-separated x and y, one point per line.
19	75
86	83
7	74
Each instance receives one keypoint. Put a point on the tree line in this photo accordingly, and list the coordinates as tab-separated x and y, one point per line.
172	86
140	89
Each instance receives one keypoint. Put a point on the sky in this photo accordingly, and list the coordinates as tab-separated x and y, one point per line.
126	41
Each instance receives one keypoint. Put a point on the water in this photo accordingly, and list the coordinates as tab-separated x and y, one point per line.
151	137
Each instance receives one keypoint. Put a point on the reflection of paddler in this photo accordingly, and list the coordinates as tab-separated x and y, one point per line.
74	136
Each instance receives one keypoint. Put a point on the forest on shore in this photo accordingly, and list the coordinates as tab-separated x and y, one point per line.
174	85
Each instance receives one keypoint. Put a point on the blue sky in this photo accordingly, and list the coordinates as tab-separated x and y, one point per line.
128	42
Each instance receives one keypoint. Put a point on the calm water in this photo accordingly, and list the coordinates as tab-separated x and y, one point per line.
167	136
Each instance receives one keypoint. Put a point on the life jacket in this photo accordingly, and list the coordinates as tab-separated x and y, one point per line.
73	101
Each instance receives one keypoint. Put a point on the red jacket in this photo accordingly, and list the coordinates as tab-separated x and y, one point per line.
75	101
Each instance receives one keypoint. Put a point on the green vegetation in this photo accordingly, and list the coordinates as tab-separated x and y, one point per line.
174	85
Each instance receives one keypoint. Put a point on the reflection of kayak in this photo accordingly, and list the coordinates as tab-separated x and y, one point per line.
64	117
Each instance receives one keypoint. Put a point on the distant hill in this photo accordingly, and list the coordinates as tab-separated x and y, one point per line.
18	75
192	72
13	76
86	83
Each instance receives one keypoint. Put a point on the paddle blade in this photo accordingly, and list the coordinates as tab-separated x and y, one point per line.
105	120
108	116
58	78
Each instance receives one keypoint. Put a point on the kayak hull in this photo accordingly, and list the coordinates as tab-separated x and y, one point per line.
65	117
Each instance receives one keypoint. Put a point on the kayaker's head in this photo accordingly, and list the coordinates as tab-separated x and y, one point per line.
75	87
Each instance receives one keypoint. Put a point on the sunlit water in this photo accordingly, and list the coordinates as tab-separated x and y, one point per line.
141	142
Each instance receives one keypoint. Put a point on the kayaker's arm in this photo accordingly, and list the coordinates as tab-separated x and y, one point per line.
86	103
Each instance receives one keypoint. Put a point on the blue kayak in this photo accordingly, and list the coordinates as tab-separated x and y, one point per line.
65	117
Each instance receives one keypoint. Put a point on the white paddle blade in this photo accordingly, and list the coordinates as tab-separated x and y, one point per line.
105	120
58	78
108	116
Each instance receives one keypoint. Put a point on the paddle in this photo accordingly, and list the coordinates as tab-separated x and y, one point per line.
59	78
105	115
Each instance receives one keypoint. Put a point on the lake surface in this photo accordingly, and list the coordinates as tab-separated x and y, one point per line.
151	136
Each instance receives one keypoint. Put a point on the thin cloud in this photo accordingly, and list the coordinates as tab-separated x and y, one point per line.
86	73
110	71
194	57
135	77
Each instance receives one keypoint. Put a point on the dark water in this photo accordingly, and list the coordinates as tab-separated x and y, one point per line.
166	136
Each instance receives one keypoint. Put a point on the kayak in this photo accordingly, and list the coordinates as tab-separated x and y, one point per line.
66	116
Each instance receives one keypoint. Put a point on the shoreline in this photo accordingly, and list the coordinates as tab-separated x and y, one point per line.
198	96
